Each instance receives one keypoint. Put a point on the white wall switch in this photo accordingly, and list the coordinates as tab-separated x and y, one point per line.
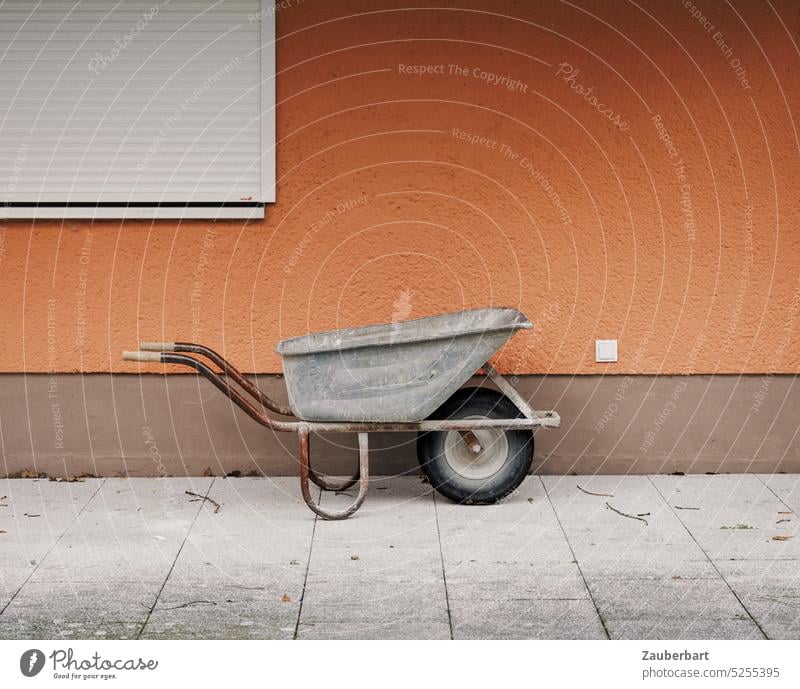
605	350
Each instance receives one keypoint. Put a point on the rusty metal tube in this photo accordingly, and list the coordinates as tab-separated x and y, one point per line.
546	419
305	466
227	368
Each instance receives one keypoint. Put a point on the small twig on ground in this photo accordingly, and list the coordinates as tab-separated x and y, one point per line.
678	507
191	602
205	498
643	514
780	521
599	495
624	514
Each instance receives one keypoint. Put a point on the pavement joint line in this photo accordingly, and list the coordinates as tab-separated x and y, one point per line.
52	547
711	562
296	634
174	562
444	573
575	558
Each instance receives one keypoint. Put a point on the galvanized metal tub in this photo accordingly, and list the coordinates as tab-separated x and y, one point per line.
392	372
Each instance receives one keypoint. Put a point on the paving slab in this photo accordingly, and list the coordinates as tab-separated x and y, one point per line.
692	628
526	618
648	573
34	514
510	572
739	517
378	574
770	590
650	542
667	598
126	540
786	487
240	573
411	627
77	610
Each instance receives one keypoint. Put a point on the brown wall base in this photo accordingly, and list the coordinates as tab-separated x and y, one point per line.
151	425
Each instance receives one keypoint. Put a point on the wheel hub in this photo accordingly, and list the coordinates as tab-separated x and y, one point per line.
480	455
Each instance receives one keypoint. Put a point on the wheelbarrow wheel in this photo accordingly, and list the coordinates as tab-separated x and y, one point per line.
481	467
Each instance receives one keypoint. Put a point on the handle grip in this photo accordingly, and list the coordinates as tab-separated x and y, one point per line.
157	346
152	357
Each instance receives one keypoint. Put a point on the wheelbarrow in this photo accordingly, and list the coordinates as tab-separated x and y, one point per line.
474	444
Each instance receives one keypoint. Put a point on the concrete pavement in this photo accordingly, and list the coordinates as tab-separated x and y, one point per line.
697	556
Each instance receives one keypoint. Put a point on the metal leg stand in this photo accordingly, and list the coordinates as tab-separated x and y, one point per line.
305	475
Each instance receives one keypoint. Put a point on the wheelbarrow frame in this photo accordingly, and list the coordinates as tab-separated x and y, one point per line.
184	353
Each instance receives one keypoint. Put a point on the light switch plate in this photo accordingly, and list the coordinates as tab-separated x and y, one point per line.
605	350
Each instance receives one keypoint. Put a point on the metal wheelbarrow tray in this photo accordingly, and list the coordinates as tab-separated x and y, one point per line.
474	444
400	371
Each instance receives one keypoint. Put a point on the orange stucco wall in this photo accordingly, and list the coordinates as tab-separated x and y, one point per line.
594	223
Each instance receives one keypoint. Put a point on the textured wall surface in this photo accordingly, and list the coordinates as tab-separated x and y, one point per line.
615	170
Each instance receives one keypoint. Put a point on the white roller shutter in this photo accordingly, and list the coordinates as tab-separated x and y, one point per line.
113	108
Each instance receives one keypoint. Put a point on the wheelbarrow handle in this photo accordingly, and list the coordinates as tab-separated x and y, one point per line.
157	346
227	368
149	357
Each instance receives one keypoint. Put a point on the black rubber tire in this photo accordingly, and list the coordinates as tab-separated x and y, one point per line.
519	456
